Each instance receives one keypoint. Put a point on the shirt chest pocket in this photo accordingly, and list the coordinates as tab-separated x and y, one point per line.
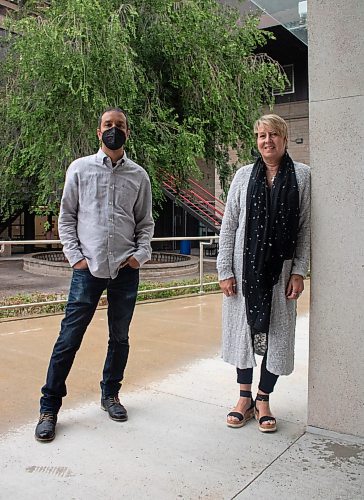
125	196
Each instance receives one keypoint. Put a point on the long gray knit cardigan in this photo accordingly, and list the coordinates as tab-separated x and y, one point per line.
237	346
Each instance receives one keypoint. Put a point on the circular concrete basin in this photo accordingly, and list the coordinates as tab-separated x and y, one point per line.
162	265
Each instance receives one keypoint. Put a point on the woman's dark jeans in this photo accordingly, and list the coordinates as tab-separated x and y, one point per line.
84	295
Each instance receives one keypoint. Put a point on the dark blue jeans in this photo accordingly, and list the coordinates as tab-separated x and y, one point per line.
84	295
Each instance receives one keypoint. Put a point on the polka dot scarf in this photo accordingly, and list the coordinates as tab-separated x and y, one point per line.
272	216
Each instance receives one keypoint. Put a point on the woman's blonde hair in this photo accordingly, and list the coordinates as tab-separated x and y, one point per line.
275	122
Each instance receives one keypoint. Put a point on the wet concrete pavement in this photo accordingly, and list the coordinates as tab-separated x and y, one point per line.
164	336
15	280
175	444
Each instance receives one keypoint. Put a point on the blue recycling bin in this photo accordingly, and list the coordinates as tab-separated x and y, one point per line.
185	247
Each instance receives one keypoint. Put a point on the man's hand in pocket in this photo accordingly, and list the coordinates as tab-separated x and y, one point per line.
133	263
81	264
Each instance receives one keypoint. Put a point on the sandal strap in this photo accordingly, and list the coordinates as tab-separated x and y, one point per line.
266	419
262	397
237	415
245	394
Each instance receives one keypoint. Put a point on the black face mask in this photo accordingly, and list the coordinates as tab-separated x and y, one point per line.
113	138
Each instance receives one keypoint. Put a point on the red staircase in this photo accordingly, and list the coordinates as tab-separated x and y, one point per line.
197	201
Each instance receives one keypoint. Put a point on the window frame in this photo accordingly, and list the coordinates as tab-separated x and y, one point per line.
291	87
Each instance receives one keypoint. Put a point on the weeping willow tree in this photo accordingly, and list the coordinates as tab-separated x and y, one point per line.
187	72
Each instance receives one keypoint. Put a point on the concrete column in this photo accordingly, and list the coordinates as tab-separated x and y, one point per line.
336	366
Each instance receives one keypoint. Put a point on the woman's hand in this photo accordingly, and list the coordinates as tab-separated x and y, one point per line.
228	286
295	287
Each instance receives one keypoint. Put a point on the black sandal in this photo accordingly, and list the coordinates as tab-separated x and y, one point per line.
242	418
264	426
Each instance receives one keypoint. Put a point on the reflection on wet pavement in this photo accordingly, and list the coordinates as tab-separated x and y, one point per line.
165	336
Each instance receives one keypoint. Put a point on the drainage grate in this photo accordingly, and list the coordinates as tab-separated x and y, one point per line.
53	471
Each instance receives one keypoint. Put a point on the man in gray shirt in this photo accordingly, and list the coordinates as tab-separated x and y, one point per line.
105	226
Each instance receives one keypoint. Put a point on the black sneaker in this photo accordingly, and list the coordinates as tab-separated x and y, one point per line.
46	427
114	408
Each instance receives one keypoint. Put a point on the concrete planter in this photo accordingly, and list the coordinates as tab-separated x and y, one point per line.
162	265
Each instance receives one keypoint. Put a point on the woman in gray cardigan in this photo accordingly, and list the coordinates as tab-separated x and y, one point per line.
263	258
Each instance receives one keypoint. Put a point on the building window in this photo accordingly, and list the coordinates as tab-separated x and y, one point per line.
289	88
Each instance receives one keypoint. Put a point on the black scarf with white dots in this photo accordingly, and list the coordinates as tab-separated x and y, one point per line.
272	218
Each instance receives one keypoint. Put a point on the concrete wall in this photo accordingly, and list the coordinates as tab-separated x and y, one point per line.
336	365
208	175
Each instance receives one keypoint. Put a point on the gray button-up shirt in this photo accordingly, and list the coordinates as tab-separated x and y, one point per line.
106	214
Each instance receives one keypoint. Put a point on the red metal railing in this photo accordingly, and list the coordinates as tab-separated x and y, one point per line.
202	201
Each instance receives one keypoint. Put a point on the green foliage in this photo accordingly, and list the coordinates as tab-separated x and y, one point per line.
62	69
191	287
185	71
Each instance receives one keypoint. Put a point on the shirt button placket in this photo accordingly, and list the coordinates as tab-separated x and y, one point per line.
111	216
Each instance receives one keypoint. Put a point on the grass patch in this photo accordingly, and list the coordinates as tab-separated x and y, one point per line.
31	310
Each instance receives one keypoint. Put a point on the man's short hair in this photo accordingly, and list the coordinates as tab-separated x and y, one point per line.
113	108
